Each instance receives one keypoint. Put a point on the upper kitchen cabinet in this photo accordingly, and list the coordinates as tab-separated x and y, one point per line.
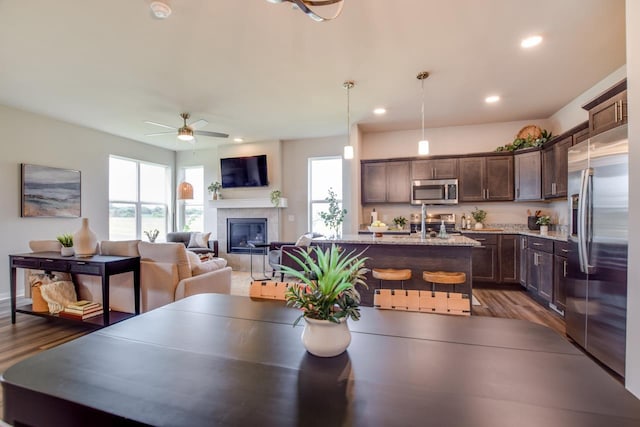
385	182
488	178
555	160
528	175
434	169
608	110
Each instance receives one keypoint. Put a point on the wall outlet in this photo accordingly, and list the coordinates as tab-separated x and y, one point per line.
291	218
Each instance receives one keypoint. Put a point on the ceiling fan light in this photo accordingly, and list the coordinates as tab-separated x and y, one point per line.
185	134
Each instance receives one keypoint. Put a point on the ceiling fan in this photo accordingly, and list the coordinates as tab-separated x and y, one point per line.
187	131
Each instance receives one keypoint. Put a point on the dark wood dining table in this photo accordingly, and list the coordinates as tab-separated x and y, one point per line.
222	360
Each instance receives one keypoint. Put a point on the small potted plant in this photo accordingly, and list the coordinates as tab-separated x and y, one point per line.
152	235
276	195
214	188
479	215
327	296
335	216
67	244
544	221
400	222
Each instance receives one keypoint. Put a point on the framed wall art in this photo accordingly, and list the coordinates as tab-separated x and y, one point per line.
50	192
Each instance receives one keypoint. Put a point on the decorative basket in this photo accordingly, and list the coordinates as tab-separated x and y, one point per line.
530	130
39	305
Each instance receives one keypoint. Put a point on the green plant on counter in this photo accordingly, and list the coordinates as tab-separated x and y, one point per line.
335	216
543	220
275	197
479	215
400	221
528	142
330	277
66	240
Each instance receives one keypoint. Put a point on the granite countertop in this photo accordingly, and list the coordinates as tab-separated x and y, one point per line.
452	240
553	235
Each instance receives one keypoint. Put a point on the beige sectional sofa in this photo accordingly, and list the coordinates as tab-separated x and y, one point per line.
168	272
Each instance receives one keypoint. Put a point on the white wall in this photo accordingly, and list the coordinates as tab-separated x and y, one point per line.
633	299
35	139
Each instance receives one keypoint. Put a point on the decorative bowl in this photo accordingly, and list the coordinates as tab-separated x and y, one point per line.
377	231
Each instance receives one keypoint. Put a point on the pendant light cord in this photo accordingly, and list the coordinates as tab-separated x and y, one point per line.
422	82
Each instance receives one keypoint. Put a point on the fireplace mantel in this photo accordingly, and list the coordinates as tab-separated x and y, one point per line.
245	203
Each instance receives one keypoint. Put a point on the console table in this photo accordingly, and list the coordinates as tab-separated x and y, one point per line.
224	360
95	265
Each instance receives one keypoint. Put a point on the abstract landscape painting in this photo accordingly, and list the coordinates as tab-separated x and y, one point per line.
50	192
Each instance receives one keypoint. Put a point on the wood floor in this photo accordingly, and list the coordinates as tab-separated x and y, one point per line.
31	334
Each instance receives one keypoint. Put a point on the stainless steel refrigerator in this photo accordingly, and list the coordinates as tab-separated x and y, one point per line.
596	305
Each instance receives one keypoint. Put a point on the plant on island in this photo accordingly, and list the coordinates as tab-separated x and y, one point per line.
335	216
400	221
479	215
328	288
543	220
66	240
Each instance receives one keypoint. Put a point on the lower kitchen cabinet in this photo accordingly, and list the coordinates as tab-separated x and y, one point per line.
509	258
484	258
540	267
560	250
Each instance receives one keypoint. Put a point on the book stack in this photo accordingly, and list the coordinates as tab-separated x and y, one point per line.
82	310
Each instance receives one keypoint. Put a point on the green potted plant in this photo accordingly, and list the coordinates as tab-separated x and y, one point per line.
214	188
276	195
335	216
400	222
479	215
327	296
544	221
66	240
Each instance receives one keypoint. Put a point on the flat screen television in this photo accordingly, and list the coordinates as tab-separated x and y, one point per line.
244	171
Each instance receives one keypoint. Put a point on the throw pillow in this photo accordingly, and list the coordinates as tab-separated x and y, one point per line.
199	240
194	259
207	266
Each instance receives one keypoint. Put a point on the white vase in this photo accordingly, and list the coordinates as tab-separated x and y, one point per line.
85	241
544	229
66	251
323	338
478	226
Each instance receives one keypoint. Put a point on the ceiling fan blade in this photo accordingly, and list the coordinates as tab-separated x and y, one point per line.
198	124
160	133
213	134
160	124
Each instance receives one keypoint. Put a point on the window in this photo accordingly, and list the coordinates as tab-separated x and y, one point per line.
324	173
138	199
192	218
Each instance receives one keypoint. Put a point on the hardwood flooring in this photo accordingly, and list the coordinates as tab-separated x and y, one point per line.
31	334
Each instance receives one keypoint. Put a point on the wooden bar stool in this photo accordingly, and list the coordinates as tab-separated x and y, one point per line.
444	278
391	274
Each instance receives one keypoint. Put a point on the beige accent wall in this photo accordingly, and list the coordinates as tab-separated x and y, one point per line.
35	139
633	292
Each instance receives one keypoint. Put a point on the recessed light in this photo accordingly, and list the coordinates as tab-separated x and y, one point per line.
238	140
531	42
379	111
160	9
491	99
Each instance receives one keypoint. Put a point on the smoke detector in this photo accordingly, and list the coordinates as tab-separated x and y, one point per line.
160	10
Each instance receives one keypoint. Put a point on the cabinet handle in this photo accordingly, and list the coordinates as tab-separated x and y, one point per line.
480	240
517	193
433	173
621	111
80	263
564	268
535	259
615	113
537	244
48	260
565	250
523	243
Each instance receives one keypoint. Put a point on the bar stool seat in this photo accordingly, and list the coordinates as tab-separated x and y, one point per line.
391	274
444	278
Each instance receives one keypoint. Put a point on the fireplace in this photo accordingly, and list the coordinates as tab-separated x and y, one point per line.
243	231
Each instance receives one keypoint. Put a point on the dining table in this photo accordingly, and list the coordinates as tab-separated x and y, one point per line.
225	360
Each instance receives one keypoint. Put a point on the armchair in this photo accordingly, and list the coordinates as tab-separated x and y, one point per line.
280	253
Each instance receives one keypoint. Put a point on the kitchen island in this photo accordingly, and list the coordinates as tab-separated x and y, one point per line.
409	252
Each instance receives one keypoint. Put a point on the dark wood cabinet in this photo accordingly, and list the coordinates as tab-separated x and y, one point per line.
509	259
484	258
386	182
487	178
609	109
434	169
554	162
540	267
560	250
528	175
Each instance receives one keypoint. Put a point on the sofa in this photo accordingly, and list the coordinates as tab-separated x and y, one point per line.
200	246
168	272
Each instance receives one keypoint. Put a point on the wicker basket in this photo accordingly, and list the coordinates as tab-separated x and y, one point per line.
39	305
530	130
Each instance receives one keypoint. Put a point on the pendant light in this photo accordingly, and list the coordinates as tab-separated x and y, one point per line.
185	191
423	144
348	149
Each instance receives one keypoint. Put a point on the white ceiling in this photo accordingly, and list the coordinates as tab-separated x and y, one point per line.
266	71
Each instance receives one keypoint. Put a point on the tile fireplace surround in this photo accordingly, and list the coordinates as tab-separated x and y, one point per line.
240	262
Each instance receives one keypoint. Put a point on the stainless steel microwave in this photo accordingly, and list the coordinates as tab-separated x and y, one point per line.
434	192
